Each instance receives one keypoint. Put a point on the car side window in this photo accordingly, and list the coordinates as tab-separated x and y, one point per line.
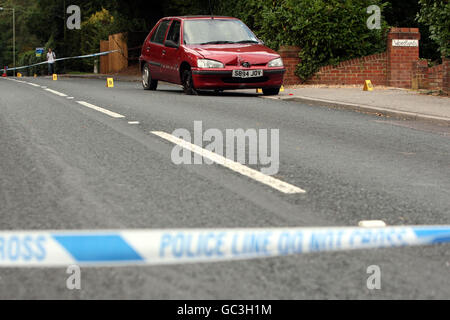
174	32
160	33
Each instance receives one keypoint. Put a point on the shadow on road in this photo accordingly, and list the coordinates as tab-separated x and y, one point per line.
213	93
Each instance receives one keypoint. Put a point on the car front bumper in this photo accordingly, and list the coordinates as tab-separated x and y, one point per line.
223	79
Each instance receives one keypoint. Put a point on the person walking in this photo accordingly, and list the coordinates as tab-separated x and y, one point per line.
51	61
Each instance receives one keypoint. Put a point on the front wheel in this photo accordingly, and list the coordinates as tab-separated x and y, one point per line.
188	83
271	91
147	82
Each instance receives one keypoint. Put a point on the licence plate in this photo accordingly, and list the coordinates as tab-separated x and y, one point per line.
247	73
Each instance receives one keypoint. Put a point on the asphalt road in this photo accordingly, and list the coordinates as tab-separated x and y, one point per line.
65	166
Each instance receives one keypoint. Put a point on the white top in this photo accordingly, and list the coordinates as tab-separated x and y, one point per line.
51	57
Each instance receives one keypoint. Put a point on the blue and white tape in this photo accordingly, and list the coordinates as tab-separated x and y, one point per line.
61	59
157	247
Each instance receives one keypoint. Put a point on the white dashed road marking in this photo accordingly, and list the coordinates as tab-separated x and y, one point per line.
232	165
83	103
56	92
133	122
109	113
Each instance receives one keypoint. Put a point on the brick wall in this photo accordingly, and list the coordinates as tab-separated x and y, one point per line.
399	66
435	77
401	59
354	71
290	57
419	73
446	76
431	78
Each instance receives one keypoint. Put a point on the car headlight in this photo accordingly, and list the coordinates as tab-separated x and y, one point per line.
276	63
206	63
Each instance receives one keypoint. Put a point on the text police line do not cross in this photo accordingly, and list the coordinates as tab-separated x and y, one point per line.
180	246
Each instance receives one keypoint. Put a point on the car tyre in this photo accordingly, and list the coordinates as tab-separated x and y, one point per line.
147	81
271	91
188	83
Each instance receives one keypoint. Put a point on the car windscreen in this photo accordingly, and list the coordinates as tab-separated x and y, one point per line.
217	31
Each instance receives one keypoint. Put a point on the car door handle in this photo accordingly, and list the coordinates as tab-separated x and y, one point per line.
148	49
164	52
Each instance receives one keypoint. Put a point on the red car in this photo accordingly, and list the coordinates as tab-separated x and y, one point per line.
209	53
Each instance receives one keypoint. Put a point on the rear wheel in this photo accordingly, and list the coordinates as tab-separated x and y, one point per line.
188	83
271	91
147	82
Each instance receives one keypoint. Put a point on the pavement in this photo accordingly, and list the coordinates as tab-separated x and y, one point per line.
66	166
390	102
383	101
119	77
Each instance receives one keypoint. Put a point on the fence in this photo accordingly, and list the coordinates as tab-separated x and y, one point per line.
117	61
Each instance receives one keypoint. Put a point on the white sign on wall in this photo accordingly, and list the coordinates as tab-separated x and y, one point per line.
405	43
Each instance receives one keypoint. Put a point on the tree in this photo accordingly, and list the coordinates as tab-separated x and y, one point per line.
436	15
25	40
328	31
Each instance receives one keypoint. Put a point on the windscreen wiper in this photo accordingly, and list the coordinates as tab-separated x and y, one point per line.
246	41
217	42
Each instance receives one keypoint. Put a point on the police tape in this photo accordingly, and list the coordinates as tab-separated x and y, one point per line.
159	247
61	59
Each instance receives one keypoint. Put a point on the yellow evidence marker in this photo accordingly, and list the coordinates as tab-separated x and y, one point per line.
282	89
55	77
110	82
259	90
368	86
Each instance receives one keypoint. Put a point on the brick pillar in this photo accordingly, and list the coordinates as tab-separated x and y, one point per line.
289	54
420	75
402	56
446	74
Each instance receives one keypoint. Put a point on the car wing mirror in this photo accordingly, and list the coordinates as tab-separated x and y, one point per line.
171	44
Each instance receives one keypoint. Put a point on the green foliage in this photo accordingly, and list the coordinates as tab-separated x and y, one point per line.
436	15
29	58
6	44
25	40
328	31
97	27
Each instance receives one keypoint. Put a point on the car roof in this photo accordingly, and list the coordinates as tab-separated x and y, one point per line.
200	17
